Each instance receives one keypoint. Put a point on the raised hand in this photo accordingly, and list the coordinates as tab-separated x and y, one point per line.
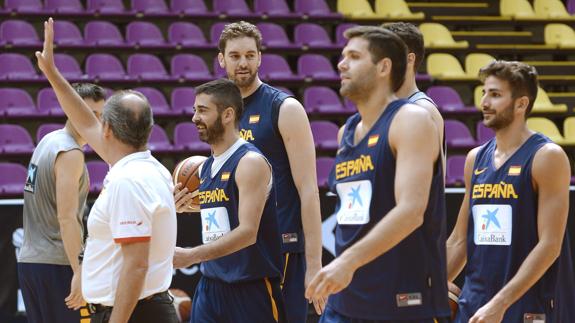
46	57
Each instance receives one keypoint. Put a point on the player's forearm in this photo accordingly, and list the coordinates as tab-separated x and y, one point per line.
399	223
311	223
237	239
74	107
456	257
535	265
130	285
72	239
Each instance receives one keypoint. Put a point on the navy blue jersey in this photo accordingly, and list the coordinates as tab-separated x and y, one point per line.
502	231
408	281
259	126
219	200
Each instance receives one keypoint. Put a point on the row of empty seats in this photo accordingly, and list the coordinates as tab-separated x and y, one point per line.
107	67
142	34
14	175
228	8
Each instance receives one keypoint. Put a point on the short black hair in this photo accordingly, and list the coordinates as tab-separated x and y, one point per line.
412	37
224	94
90	91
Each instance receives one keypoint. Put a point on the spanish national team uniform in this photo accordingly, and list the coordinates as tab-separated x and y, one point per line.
245	285
259	126
502	231
407	283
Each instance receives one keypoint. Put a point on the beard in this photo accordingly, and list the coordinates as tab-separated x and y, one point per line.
243	80
501	120
212	134
358	89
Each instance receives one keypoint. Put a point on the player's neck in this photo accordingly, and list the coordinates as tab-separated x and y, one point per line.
373	106
228	139
510	138
250	89
408	87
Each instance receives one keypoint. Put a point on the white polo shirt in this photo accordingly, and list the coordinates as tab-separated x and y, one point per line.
136	204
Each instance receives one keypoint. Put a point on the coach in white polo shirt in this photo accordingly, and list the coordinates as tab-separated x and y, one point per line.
127	263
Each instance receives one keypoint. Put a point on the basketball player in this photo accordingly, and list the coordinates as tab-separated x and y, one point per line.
127	263
413	39
388	178
511	226
241	255
277	124
54	201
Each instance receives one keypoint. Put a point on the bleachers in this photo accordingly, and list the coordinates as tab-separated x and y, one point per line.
165	47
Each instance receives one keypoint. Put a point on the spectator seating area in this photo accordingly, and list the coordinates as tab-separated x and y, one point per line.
164	48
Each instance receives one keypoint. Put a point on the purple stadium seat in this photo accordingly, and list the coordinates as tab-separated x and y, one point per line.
68	67
186	138
63	6
193	7
102	33
97	171
457	135
16	67
484	134
16	103
23	6
275	68
339	30
159	141
183	99
314	9
186	34
46	128
190	67
13	179
147	67
106	6
312	35
18	32
324	134
274	35
237	8
67	33
48	102
448	100
455	166
215	32
273	8
150	6
14	139
105	67
140	33
316	67
323	167
322	99
160	106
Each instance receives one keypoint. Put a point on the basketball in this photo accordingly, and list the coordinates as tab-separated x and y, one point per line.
182	303
186	172
453	293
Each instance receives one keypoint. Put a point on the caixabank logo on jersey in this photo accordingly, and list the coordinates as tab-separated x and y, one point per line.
493	224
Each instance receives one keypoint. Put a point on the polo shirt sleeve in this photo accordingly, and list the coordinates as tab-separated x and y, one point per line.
132	207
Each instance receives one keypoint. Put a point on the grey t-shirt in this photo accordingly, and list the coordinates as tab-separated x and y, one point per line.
42	237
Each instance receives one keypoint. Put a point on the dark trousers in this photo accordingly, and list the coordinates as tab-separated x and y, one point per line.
44	288
157	308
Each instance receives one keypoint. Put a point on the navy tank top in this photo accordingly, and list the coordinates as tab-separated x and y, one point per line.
502	231
409	281
259	126
219	201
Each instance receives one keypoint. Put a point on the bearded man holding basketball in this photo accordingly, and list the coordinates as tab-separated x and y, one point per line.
241	250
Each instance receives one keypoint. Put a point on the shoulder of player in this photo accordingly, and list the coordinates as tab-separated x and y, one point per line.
70	159
410	116
251	164
290	105
548	157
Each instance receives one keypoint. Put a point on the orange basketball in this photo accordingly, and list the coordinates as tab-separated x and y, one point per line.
186	172
182	303
453	293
